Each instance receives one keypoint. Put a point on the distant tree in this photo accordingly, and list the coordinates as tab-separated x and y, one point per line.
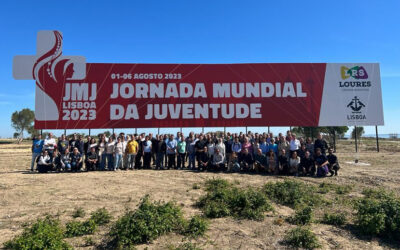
107	133
335	132
33	132
307	131
22	121
360	132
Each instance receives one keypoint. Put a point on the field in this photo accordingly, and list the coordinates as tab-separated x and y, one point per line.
25	196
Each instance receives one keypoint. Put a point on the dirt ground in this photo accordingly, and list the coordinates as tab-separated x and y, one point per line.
25	196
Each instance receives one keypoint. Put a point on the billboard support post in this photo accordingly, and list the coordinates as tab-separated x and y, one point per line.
89	131
377	139
65	132
355	136
268	129
158	131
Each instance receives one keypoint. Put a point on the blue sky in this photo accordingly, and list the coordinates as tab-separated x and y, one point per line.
205	32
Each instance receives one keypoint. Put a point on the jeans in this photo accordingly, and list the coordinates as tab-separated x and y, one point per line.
160	160
75	166
110	161
131	161
118	159
146	160
192	160
181	160
67	166
34	156
171	161
103	161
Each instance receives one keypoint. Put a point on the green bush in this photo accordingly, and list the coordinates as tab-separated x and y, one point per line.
43	234
78	213
101	216
302	237
223	199
378	213
77	228
334	219
343	189
149	221
216	184
303	216
197	226
292	193
325	187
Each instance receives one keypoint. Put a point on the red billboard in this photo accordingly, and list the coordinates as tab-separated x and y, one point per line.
74	94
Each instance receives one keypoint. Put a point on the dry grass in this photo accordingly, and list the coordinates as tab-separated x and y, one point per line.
25	197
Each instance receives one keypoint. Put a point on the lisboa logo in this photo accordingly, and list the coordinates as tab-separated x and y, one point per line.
356	105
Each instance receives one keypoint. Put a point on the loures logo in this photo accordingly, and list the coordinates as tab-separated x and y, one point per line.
357	72
356	106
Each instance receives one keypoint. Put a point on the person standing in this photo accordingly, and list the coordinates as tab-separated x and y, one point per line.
62	144
160	152
199	145
221	146
171	151
147	150
109	153
102	153
191	151
118	150
37	148
321	144
181	148
49	144
294	145
131	150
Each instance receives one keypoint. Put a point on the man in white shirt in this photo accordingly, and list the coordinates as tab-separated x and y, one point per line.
294	144
49	144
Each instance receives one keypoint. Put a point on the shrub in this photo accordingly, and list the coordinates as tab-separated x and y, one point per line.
149	221
101	216
78	213
43	234
379	214
195	186
197	226
325	187
216	184
343	189
89	241
292	193
302	216
302	237
77	228
223	199
334	219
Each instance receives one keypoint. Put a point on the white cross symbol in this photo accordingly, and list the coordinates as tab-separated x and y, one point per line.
23	69
23	65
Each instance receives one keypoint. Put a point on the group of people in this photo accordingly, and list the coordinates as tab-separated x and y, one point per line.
243	152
